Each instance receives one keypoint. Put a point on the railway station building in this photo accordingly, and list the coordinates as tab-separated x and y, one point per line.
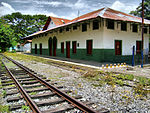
104	35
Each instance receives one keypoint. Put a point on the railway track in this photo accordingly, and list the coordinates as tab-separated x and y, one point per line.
37	92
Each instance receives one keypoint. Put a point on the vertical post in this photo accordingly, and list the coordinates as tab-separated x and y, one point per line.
133	51
142	48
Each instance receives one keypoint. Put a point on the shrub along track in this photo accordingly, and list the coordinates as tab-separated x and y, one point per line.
25	79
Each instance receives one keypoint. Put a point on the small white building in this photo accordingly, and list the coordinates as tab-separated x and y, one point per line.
24	47
104	35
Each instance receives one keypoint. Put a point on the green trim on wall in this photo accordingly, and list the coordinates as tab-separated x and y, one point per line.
100	55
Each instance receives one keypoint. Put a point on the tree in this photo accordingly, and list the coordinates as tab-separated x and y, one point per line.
7	38
138	11
25	25
15	26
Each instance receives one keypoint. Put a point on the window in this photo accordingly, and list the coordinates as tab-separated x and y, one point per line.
74	47
62	47
68	49
138	47
74	27
35	48
67	29
118	47
95	25
63	21
149	29
89	46
145	30
123	26
18	46
110	24
84	27
60	30
40	48
45	34
134	28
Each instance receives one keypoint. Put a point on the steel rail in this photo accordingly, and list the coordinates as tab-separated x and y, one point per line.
32	105
71	100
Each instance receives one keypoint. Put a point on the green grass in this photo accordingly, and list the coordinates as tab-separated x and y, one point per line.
28	58
33	93
125	77
139	89
4	109
120	82
129	77
4	93
142	80
10	64
26	108
120	76
148	81
11	85
1	85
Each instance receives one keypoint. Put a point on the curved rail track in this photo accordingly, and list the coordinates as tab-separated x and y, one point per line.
31	77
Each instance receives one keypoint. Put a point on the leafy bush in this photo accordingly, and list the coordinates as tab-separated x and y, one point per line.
129	77
139	89
120	76
13	51
142	80
120	82
4	93
26	108
4	109
148	81
109	79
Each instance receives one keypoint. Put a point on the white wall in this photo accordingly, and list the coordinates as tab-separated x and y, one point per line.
51	25
128	38
103	38
27	47
74	35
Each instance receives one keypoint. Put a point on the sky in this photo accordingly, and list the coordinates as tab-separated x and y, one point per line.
68	9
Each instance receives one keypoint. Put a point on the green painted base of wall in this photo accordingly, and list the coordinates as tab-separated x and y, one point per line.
100	55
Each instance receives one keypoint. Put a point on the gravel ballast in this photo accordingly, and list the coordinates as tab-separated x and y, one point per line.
118	99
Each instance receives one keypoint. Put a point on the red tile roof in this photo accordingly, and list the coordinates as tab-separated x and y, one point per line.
117	15
27	41
93	14
59	21
104	13
111	14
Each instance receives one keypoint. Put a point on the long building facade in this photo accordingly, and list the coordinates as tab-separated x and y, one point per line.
104	35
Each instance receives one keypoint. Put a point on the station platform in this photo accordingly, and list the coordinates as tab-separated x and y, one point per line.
90	64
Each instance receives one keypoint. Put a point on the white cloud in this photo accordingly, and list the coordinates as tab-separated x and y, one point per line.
33	11
70	17
21	1
117	5
55	4
51	14
6	8
80	4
